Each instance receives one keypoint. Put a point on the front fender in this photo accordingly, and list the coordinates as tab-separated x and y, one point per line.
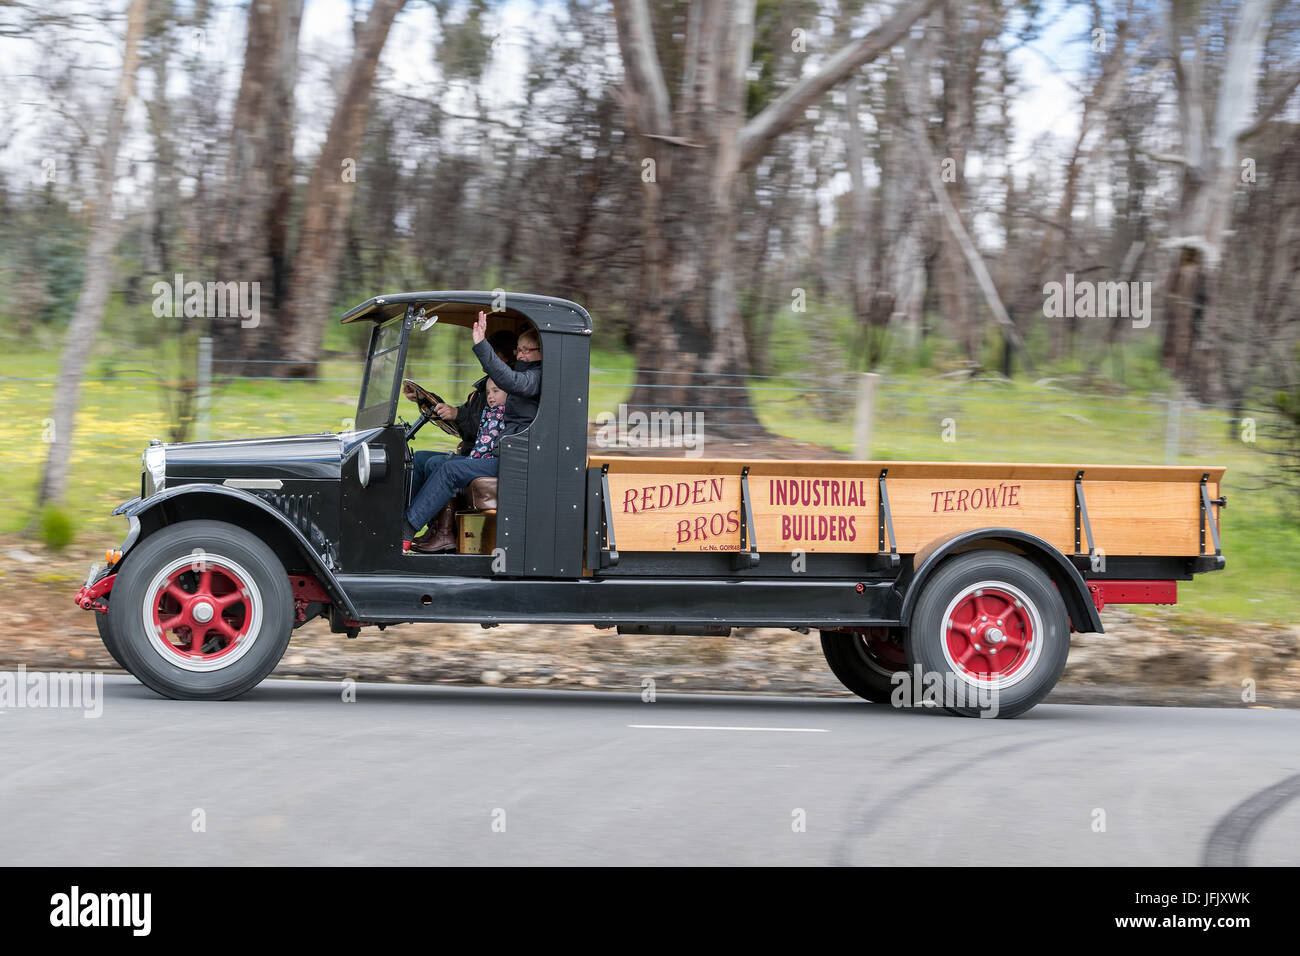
201	500
1068	580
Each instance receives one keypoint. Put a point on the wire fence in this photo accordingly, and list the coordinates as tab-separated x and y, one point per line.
910	417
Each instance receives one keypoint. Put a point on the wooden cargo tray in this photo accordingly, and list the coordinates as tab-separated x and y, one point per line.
835	506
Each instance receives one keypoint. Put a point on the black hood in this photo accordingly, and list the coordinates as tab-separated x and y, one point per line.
318	456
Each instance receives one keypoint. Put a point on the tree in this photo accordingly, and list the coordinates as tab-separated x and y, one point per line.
328	199
1212	135
694	152
97	281
253	230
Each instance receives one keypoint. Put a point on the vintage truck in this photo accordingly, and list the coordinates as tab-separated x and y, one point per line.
965	576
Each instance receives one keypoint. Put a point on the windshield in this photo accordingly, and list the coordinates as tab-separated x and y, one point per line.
381	375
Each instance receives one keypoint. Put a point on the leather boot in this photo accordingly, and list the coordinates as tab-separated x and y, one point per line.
441	535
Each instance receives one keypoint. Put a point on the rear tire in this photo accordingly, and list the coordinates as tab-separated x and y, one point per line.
865	663
203	611
994	629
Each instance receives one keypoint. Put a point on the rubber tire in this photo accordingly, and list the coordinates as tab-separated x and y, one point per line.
848	661
106	632
926	635
268	576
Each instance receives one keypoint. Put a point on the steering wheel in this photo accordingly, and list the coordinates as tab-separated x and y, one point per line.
424	419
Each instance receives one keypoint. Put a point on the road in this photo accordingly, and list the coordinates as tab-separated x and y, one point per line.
294	774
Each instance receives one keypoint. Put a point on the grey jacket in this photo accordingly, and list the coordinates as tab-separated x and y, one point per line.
522	385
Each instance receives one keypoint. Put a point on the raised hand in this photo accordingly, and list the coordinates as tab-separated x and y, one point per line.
480	328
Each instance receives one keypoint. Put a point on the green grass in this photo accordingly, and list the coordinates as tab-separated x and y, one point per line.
1262	579
991	421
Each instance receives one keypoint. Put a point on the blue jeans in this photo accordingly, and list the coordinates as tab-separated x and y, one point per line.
422	465
444	478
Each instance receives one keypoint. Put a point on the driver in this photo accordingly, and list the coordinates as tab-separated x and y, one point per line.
453	472
466	419
522	383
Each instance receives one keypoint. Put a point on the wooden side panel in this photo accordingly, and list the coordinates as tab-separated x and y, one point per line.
670	505
676	512
812	513
928	508
684	512
1145	517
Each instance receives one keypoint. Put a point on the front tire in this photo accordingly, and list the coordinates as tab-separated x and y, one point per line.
106	633
991	634
203	611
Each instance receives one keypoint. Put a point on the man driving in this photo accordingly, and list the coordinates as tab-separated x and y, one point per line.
522	385
465	417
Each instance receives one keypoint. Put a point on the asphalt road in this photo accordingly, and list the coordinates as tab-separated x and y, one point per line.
293	774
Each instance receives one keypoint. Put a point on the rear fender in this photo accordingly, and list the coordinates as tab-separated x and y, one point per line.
1068	580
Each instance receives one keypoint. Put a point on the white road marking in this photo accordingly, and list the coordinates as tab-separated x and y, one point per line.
774	730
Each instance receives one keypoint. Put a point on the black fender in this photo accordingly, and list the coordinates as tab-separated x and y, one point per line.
217	502
1068	580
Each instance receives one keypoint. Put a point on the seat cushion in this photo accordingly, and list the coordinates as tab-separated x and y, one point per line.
482	494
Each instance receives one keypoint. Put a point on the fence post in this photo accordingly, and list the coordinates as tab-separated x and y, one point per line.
205	389
862	419
1173	426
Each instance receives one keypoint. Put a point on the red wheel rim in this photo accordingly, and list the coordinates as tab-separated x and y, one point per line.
889	654
202	614
989	634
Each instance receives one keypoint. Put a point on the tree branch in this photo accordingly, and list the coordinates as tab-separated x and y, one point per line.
760	132
1164	157
636	40
1273	108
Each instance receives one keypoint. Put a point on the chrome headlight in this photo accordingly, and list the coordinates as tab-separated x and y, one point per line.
155	468
363	464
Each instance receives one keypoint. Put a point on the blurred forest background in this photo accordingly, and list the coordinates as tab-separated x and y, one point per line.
756	200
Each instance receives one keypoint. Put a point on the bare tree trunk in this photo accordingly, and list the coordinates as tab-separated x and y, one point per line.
310	301
816	159
688	316
872	310
962	242
691	212
93	298
859	266
253	228
160	220
897	256
1210	160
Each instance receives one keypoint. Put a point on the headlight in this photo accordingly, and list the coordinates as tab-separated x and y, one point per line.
372	463
155	469
363	465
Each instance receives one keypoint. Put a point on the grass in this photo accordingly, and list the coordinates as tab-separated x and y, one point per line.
919	415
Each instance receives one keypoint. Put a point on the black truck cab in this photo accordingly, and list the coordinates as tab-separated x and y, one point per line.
541	540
